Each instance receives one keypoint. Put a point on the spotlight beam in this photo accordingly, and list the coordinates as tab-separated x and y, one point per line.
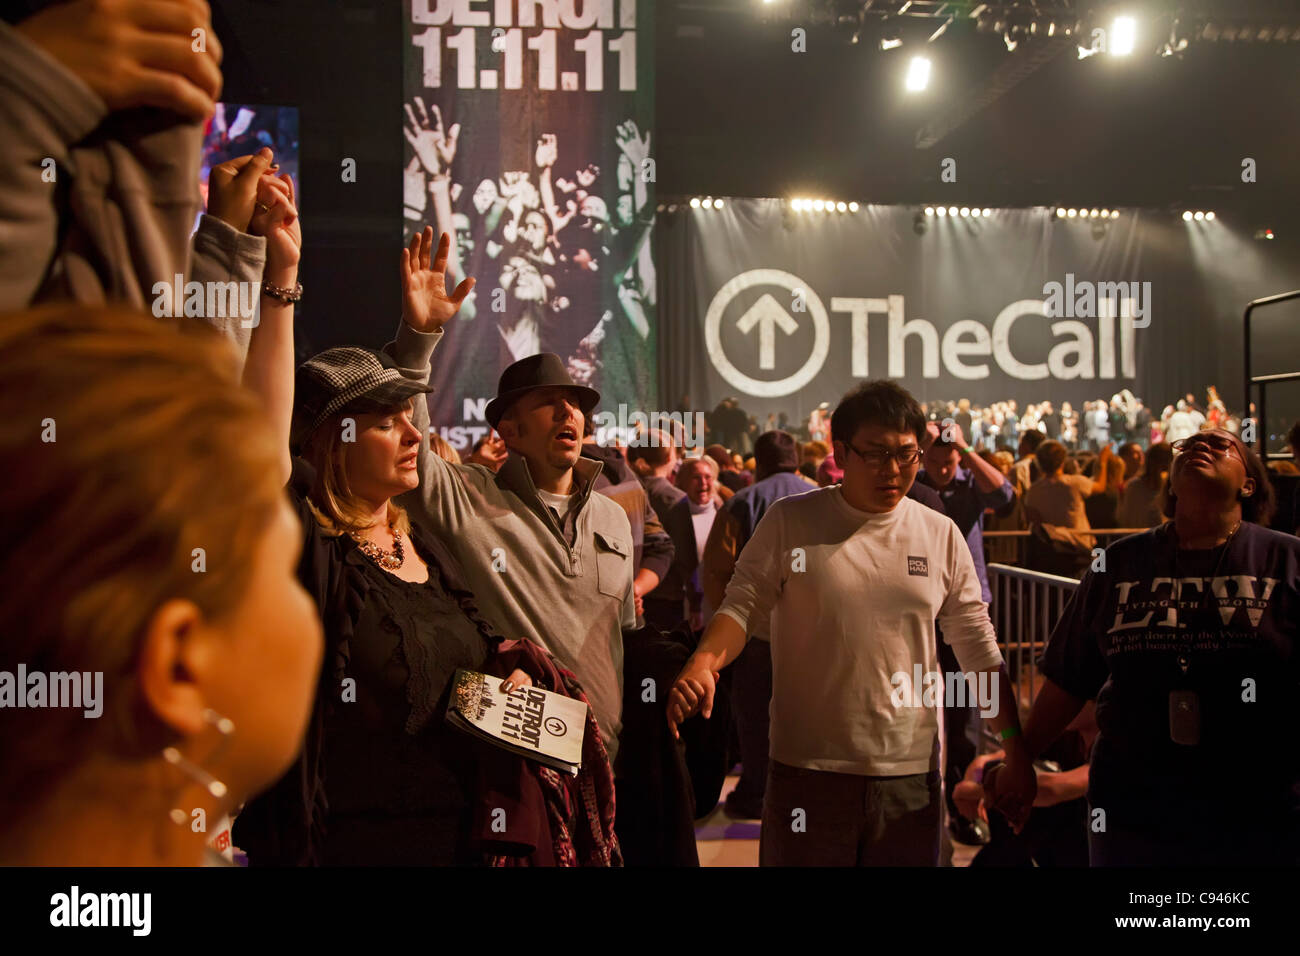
1006	77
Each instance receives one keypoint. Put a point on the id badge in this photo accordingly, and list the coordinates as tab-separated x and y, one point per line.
1185	717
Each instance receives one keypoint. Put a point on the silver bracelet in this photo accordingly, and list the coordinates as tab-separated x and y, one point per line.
287	296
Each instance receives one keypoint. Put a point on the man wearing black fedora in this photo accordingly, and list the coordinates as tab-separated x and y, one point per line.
546	556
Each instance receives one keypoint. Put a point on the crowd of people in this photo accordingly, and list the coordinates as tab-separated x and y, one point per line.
276	572
998	426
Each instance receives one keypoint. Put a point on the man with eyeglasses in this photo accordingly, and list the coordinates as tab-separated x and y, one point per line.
853	577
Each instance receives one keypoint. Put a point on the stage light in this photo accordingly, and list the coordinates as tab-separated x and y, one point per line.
975	213
1060	212
952	211
796	204
660	208
1114	214
941	211
965	210
1105	214
717	204
672	207
1187	216
1011	44
853	207
1198	215
695	202
1209	216
1072	213
1123	36
988	212
841	207
918	74
708	203
1094	214
929	210
818	205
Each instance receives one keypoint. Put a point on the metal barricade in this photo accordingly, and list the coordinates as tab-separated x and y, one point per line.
1026	606
1105	537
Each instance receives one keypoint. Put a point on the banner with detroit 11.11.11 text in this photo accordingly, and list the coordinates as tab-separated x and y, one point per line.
528	130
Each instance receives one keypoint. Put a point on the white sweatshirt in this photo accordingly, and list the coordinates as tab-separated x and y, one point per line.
853	598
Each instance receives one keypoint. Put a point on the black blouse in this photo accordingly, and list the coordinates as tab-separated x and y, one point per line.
382	778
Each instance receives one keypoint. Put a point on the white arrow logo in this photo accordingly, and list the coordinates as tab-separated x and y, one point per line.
767	314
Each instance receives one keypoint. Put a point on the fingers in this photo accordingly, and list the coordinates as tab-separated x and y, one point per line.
516	679
170	91
415	124
437	116
444	250
175	55
414	250
426	243
252	169
424	114
462	290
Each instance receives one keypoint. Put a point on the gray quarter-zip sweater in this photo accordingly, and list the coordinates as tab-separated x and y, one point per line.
574	600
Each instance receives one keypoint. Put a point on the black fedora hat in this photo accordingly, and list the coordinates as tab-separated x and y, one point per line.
543	370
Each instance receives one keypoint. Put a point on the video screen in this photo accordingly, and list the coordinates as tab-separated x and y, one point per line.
238	129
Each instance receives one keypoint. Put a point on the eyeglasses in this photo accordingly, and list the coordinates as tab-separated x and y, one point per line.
1219	444
906	457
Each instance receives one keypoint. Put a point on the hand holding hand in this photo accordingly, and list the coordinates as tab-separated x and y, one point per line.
276	218
1011	788
426	306
233	188
692	693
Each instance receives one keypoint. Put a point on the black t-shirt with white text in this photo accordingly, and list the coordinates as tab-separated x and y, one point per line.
1231	616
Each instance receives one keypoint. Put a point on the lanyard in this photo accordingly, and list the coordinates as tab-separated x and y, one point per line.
1183	657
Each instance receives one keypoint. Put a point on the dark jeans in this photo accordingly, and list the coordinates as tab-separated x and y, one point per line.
751	698
819	818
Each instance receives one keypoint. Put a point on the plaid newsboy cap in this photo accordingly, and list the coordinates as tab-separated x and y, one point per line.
346	379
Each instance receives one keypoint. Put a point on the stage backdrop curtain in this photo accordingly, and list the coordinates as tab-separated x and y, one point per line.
760	304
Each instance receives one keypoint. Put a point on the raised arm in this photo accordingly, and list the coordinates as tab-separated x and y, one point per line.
426	308
1106	463
269	365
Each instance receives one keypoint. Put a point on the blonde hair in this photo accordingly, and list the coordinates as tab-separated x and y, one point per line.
332	502
438	445
130	453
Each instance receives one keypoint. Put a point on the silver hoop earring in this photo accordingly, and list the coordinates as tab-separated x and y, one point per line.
224	726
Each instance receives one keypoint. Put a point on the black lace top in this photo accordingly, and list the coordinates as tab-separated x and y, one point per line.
381	778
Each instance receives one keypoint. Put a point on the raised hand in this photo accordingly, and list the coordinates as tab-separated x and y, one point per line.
630	142
434	148
233	188
426	306
547	151
276	218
